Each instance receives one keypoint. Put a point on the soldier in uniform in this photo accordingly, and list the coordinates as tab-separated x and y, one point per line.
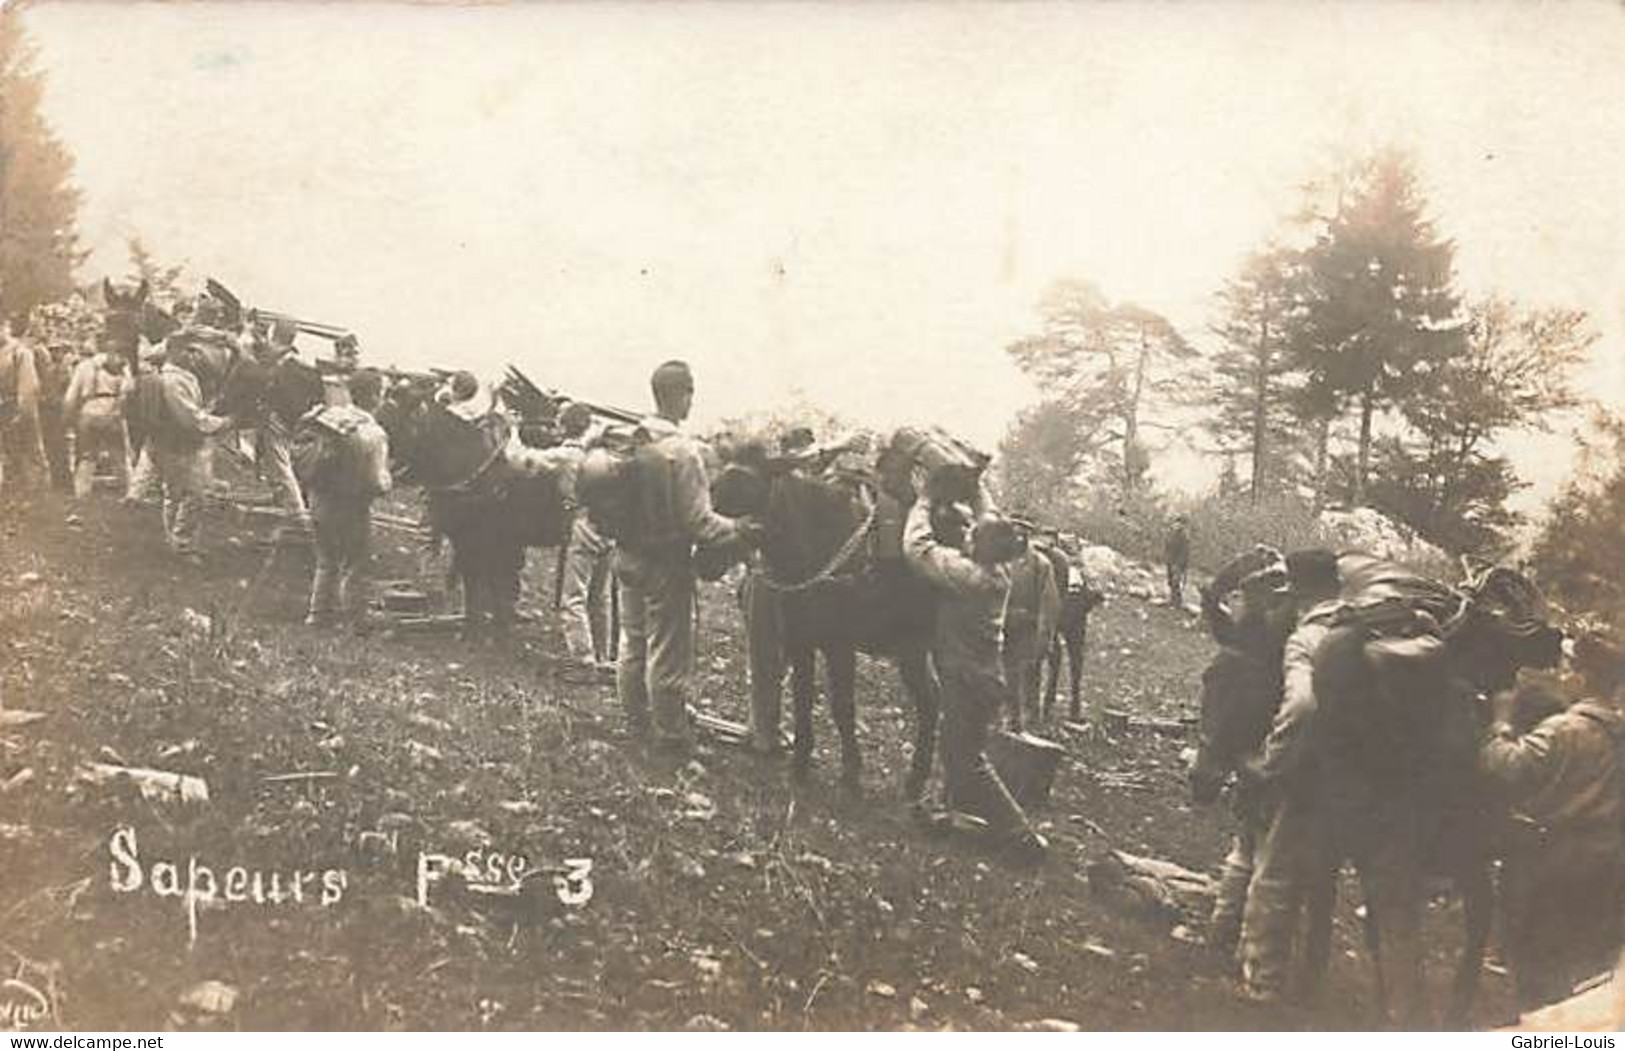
656	572
93	408
974	583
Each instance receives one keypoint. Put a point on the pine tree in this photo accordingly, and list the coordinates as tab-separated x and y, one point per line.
1381	314
1113	365
38	203
1251	390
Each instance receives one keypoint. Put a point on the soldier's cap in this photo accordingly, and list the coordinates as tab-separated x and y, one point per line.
464	385
574	418
1312	571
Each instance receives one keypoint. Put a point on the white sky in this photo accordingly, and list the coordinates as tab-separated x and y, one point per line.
863	203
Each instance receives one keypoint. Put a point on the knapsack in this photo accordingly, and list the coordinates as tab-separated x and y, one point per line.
323	451
607	485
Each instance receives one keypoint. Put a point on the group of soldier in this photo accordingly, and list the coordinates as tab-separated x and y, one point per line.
1557	761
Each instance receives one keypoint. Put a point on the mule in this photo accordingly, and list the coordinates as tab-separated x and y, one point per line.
836	599
1393	771
489	510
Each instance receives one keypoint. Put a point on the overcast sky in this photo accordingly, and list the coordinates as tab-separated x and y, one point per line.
862	203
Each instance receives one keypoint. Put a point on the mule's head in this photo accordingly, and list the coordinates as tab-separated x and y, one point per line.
1504	626
1240	692
435	447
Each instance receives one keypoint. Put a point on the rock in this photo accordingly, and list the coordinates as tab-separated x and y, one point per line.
429	722
699	806
29	579
884	990
1053	1025
1025	962
1094	948
704	1023
917	1009
975	995
12	718
211	997
519	806
745	859
467	833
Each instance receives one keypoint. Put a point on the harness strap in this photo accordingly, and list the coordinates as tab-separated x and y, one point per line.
843	554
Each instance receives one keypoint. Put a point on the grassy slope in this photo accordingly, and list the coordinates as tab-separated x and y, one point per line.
781	910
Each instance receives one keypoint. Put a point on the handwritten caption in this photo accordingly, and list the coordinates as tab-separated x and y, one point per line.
198	884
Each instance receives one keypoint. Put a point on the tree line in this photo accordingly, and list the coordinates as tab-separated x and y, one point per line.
1343	366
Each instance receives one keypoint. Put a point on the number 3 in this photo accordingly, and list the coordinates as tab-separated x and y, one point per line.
575	886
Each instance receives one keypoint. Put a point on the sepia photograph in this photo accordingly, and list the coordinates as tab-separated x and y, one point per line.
821	516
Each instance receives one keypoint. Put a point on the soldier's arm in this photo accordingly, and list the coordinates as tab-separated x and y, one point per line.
183	402
75	395
1516	765
944	566
1287	742
377	446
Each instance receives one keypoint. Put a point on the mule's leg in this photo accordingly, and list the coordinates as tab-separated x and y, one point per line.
920	681
1373	948
802	688
1477	892
1074	669
841	668
1395	902
473	581
1052	676
1320	898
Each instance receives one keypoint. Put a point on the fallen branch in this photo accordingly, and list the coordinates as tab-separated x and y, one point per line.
1152	889
157	785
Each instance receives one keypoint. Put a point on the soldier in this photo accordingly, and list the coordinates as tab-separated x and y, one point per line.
177	443
1176	553
585	564
1270	918
274	439
1555	761
93	408
341	504
22	453
1030	617
56	368
656	572
587	555
974	584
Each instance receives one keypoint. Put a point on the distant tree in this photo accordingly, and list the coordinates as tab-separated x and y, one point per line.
1251	393
1580	551
164	280
38	203
1042	457
1381	314
1113	365
1515	373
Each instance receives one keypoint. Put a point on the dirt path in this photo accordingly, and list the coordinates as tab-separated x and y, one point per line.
720	897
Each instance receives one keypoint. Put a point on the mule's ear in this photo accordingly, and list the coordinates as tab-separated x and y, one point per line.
141	291
108	293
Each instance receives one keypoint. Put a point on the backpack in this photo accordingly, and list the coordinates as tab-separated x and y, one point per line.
323	452
607	485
